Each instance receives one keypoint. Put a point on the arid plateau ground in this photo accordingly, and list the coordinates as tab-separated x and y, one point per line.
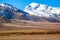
29	30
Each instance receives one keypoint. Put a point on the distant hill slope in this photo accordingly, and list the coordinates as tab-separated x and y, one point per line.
26	25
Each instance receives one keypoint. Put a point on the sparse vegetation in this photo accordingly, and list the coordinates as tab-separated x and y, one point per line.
27	32
3	20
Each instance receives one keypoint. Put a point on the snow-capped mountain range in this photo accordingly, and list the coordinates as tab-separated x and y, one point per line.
32	12
42	10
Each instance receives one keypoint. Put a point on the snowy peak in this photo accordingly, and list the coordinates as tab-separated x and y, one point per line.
36	5
42	10
5	5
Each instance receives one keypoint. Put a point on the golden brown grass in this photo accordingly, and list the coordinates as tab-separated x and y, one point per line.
30	30
31	37
27	32
30	27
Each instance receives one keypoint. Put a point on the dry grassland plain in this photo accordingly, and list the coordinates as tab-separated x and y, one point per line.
28	30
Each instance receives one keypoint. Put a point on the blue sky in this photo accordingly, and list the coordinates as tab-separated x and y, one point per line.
22	3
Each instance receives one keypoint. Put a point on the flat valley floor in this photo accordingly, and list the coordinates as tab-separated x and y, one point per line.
32	37
28	30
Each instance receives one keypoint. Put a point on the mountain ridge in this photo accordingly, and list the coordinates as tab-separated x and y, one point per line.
42	10
9	12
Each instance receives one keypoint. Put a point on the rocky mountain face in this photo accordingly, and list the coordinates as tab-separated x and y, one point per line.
32	12
8	11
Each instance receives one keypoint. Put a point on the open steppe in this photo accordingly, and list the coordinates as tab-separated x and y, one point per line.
29	30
